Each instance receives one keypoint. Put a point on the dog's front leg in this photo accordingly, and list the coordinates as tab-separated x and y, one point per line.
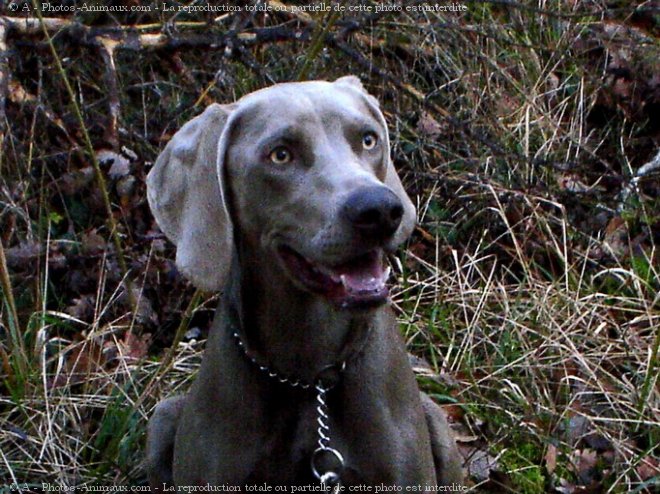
446	456
160	442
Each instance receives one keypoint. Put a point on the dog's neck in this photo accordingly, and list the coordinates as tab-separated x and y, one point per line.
296	333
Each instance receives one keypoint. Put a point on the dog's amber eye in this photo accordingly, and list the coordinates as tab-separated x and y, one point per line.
281	156
369	140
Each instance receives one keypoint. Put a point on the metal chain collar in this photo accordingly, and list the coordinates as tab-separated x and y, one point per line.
330	478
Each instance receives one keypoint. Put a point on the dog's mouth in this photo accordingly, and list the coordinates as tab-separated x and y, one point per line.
359	282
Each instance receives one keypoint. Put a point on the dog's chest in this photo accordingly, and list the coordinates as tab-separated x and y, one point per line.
284	456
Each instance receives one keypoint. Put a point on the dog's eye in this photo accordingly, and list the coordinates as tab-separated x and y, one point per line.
281	156
369	140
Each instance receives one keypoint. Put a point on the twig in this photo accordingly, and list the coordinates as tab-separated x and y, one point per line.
110	75
18	94
648	168
125	39
641	172
4	78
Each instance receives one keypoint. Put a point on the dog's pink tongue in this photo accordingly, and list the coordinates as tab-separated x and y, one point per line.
364	276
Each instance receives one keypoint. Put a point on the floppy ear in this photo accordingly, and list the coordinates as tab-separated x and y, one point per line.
392	180
351	81
186	198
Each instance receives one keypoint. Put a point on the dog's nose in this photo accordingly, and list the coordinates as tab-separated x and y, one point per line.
375	211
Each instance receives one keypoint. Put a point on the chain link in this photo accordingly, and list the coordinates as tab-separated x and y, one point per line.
329	479
296	383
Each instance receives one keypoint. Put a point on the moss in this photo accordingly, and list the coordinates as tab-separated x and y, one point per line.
522	462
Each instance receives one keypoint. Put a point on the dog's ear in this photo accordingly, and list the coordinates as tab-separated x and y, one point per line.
392	180
185	194
352	81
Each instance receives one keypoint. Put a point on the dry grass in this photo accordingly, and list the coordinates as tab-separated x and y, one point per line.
531	286
528	357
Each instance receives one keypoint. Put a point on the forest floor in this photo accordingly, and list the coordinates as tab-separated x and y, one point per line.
528	134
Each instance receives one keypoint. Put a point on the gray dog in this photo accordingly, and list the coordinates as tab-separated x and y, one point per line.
287	202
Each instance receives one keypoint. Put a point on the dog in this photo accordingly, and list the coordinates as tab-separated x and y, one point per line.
287	202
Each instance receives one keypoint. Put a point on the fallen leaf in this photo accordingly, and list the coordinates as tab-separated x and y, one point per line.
427	126
23	255
597	441
648	467
479	464
455	414
133	347
17	93
622	88
125	188
577	428
84	359
566	487
551	458
93	243
145	312
584	462
572	183
75	181
615	239
193	334
553	81
82	308
120	166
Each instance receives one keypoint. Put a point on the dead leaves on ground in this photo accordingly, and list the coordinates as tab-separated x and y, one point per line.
95	361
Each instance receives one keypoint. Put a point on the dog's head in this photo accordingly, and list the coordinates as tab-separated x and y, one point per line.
301	172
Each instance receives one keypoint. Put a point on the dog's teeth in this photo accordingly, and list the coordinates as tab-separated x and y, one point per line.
345	284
